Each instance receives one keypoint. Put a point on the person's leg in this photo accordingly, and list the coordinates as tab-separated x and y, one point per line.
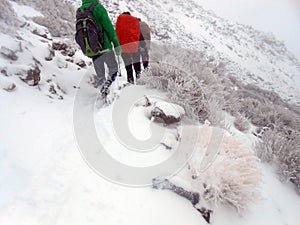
136	63
99	68
142	48
128	65
112	65
145	58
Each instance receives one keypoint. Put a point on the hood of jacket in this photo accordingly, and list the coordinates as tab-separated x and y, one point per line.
88	2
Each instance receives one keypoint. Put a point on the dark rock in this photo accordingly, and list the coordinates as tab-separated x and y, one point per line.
65	49
160	116
193	197
24	24
32	76
37	61
36	32
61	89
59	46
70	60
4	71
51	55
52	90
69	52
147	102
205	213
56	91
10	88
8	53
166	146
81	63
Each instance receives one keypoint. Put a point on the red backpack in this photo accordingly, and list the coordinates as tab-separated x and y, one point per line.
128	31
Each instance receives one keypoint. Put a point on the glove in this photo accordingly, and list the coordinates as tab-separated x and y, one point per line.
118	50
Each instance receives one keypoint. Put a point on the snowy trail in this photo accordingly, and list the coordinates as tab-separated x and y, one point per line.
47	180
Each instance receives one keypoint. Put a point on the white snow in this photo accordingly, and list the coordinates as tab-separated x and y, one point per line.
25	11
6	41
253	56
44	178
170	109
280	17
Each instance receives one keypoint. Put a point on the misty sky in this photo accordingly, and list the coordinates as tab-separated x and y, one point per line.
281	17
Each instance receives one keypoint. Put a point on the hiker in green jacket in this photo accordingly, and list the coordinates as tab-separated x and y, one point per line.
107	56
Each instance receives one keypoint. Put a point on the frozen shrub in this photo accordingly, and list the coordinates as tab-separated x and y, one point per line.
280	121
282	149
59	16
8	18
192	79
32	76
188	81
241	123
232	178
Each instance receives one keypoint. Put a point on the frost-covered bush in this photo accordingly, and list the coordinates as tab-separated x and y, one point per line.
8	18
282	149
262	107
266	110
241	123
206	88
188	80
232	178
59	16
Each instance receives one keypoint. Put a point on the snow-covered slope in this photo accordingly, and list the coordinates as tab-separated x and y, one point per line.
252	56
43	177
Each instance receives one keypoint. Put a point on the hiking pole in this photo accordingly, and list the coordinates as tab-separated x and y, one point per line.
119	66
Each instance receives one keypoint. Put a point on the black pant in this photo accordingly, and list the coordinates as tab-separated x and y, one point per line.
132	60
109	59
144	53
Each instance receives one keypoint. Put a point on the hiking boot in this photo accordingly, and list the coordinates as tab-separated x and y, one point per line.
105	88
130	81
138	75
147	69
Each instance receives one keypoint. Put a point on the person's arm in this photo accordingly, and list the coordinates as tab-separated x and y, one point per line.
109	30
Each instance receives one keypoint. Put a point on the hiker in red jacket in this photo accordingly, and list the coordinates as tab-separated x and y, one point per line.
128	31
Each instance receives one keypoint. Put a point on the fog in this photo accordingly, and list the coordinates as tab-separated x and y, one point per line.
281	17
